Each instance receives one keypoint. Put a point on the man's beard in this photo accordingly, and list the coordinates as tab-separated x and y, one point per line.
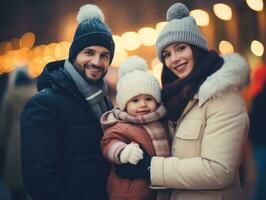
81	70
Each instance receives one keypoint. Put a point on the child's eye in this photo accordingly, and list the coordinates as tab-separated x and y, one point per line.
135	100
148	99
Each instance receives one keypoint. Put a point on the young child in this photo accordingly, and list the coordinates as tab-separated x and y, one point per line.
138	121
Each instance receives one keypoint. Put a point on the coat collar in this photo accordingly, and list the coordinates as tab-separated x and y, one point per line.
234	74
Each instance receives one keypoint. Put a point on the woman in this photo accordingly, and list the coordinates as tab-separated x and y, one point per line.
201	92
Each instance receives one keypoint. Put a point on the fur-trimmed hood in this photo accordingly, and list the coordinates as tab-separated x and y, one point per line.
234	74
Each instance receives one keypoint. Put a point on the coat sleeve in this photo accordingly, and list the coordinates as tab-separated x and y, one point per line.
113	143
221	151
41	144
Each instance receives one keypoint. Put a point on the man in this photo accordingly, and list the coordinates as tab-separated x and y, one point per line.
60	126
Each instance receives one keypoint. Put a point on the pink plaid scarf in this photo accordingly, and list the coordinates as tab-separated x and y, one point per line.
152	125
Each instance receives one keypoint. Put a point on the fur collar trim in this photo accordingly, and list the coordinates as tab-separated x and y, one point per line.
234	74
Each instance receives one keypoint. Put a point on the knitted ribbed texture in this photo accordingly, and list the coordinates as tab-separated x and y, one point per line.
91	31
134	79
180	28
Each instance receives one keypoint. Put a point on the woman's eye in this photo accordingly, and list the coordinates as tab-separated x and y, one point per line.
181	48
166	55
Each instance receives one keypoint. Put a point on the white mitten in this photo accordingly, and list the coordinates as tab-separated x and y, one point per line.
131	153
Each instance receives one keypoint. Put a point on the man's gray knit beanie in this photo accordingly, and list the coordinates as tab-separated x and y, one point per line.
180	28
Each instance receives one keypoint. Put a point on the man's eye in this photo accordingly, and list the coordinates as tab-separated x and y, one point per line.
89	53
105	56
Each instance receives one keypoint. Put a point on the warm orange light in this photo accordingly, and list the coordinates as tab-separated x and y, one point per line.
157	68
131	41
49	50
27	40
35	67
222	11
256	5
257	48
68	27
225	47
118	41
38	51
160	26
14	43
120	55
147	36
61	50
201	17
5	46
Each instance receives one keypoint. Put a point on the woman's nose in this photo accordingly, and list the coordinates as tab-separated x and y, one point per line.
175	57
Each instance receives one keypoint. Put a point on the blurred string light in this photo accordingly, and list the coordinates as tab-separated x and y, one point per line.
5	46
131	41
5	64
14	43
23	52
35	67
257	48
159	26
201	17
147	36
157	67
27	40
120	52
61	50
256	5
38	51
225	47
120	55
222	11
49	50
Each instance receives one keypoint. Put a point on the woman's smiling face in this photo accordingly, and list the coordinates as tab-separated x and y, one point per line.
178	57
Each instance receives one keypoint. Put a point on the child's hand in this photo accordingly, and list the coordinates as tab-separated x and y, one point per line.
131	153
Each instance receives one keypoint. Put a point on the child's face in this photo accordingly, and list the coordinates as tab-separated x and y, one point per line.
141	105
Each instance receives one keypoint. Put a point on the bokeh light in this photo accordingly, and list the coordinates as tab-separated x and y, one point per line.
222	11
225	47
201	17
257	48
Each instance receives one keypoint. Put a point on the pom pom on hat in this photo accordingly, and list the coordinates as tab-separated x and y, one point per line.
89	11
134	79
177	11
132	63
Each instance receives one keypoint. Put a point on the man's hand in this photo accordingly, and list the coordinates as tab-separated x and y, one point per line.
140	170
